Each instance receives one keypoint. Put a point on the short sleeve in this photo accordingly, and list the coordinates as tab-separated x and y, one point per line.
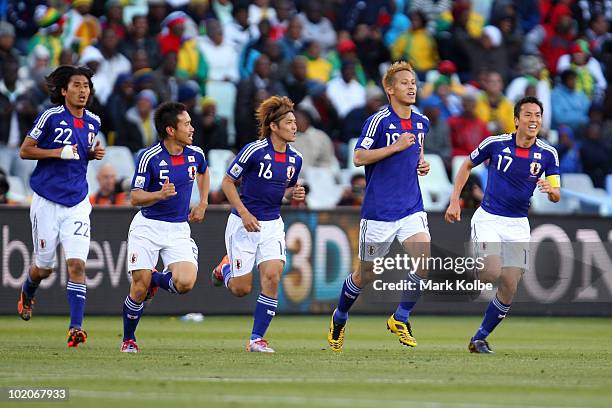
142	176
371	130
241	162
41	125
482	152
296	175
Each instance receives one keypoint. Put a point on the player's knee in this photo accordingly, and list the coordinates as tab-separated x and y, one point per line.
183	286
242	290
41	273
76	268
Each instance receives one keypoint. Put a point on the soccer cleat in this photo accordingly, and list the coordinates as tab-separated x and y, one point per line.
76	336
129	346
335	337
217	273
24	306
480	346
259	346
403	331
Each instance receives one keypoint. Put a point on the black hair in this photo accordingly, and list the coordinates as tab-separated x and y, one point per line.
523	101
59	79
567	74
166	115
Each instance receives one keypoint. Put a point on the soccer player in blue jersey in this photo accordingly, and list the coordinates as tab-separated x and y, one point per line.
62	140
500	229
267	170
162	187
391	149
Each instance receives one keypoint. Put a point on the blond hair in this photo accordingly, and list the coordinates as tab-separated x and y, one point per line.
389	77
272	110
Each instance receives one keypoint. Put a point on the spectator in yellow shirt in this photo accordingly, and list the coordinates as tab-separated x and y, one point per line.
317	68
493	107
416	45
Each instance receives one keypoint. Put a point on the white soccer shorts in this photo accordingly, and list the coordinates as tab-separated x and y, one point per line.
246	249
376	237
507	237
53	224
148	239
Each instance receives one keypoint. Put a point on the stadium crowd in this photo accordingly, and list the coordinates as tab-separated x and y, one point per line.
221	58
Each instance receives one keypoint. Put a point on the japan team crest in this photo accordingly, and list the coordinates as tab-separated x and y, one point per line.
290	172
238	264
192	172
534	168
90	137
133	258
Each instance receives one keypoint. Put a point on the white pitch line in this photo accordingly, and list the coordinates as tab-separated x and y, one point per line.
287	399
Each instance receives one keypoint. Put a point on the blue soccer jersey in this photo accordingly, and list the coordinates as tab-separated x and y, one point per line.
392	184
63	181
155	165
266	174
513	172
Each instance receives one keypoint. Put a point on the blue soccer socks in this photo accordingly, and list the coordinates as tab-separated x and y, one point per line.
348	296
265	310
77	296
132	311
494	314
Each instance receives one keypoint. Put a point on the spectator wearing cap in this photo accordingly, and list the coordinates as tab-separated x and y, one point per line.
190	61
317	27
48	35
438	137
166	83
533	81
347	52
345	92
113	18
492	106
81	29
292	42
571	106
119	102
467	130
212	133
354	120
137	37
448	69
416	45
222	58
590	78
317	67
315	145
138	128
7	42
113	64
443	98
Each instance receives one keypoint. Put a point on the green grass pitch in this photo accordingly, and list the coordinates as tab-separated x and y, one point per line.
540	362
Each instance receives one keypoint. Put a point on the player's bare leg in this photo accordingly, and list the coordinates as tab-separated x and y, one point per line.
184	275
241	285
417	246
77	295
269	275
509	278
26	296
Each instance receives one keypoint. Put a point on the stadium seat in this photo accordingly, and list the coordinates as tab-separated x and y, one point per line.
218	161
540	204
609	184
121	158
324	193
480	170
6	159
349	158
435	187
224	94
577	182
17	190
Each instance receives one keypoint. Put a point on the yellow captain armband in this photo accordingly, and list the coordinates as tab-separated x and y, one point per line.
555	180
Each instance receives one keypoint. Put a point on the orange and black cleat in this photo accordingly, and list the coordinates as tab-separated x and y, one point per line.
24	306
76	335
217	273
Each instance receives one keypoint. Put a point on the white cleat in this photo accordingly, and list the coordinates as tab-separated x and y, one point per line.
259	346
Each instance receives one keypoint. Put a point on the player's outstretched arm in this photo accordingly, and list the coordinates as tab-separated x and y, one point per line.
30	151
453	212
141	198
228	185
197	213
363	157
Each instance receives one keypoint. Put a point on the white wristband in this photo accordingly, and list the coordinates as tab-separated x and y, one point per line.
69	154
